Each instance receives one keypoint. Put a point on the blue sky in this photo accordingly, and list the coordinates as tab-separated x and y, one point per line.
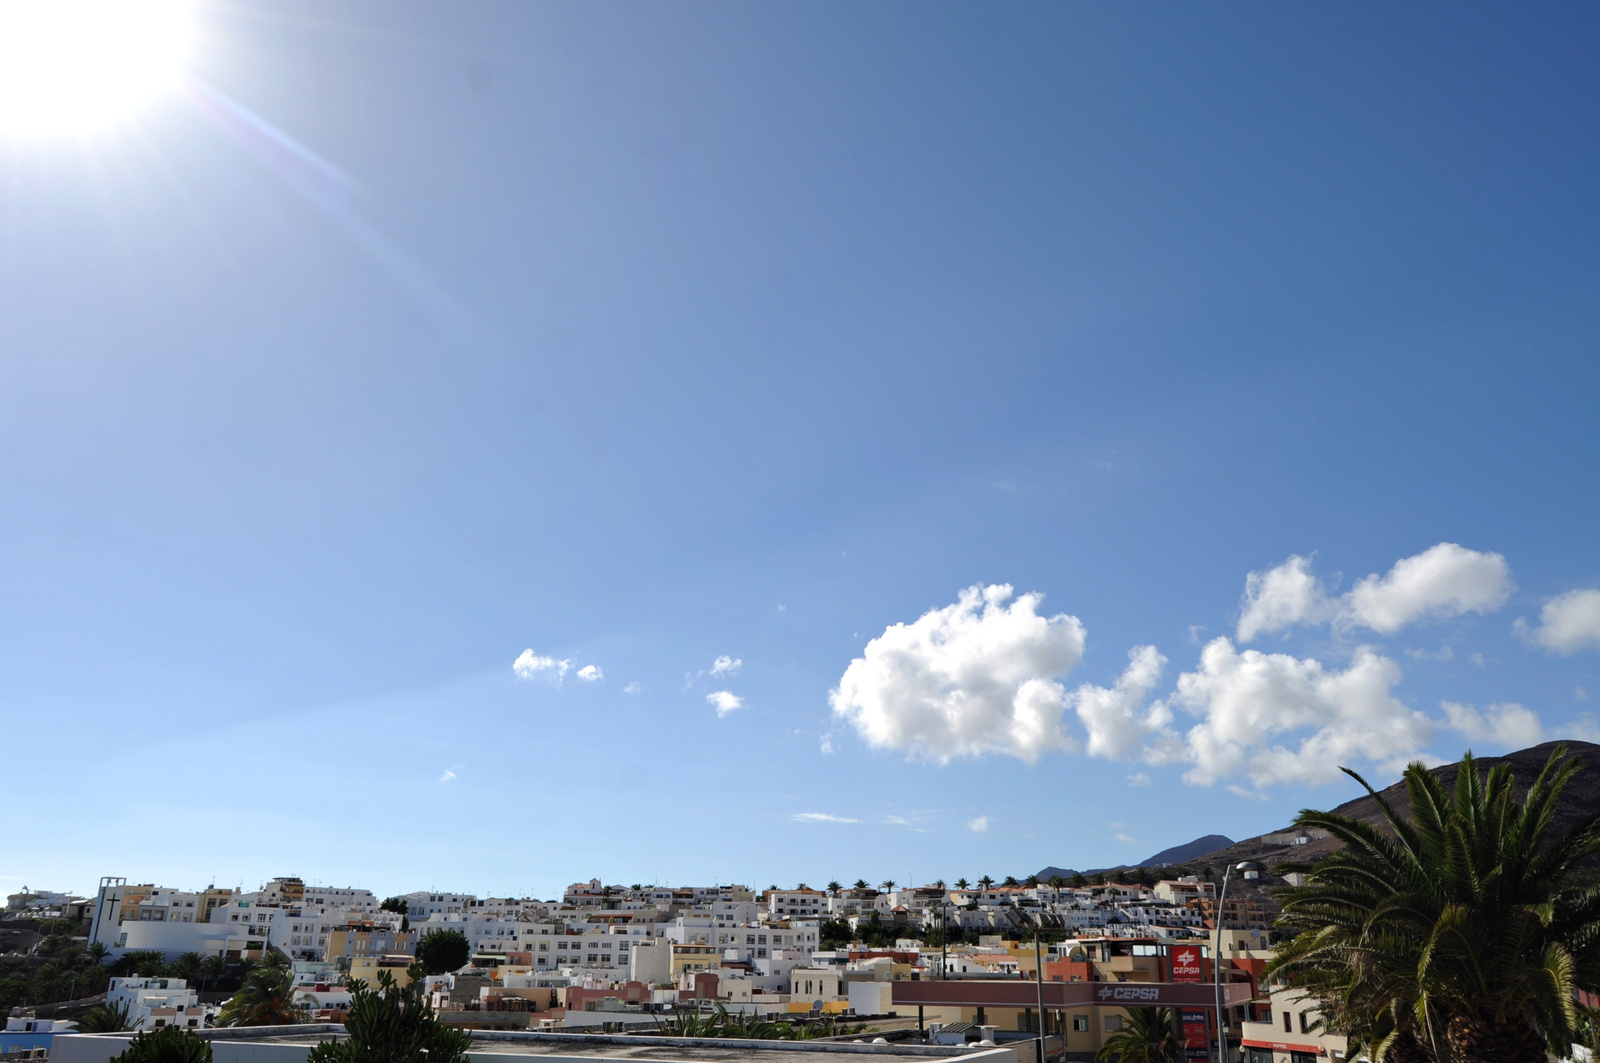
403	340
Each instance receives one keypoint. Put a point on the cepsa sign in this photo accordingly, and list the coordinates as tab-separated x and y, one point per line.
1185	963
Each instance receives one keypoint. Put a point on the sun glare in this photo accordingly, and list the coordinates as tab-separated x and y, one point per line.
72	66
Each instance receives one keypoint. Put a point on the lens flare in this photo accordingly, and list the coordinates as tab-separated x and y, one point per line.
73	66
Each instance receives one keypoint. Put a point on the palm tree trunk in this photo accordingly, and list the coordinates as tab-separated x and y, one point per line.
1479	1040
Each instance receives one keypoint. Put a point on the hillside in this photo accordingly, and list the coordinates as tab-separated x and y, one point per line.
1581	797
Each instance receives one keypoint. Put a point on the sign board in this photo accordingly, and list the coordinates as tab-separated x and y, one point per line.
1186	963
1196	1035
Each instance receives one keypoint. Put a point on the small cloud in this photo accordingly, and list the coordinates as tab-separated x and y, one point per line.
979	825
726	665
1508	724
1127	839
899	821
530	665
449	773
821	817
633	687
725	701
1443	653
1580	694
1195	631
1568	623
591	673
782	608
1138	778
1479	659
827	744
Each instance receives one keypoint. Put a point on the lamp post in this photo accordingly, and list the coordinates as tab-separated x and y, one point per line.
1216	957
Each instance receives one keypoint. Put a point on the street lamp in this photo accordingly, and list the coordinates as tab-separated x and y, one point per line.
1216	956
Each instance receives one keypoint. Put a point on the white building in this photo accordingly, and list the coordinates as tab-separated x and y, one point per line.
156	1002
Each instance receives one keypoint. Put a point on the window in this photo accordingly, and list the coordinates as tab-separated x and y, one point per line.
1288	1026
1113	1023
1080	1024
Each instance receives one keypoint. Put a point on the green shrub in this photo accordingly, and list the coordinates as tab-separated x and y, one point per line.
170	1044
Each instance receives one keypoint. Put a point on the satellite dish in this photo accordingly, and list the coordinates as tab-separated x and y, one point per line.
816	1005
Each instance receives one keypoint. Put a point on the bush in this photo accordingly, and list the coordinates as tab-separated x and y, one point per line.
393	1025
170	1044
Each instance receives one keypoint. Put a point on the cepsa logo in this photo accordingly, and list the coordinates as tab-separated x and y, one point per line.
1186	965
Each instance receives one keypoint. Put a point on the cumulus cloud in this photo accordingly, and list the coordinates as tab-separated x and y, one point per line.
1508	725
976	677
725	665
633	687
978	825
822	817
1138	778
591	673
1443	581
1567	624
725	701
530	665
1272	718
1282	597
826	745
1115	719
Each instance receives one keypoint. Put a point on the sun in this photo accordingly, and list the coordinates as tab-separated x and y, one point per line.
74	66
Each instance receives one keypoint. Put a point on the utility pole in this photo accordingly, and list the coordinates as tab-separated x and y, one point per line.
1216	958
1038	972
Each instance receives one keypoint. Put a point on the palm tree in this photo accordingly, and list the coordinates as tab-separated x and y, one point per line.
833	887
101	1019
211	969
265	999
96	952
962	883
1010	881
861	884
938	883
1144	1037
187	967
1460	934
888	885
1056	882
1032	881
986	881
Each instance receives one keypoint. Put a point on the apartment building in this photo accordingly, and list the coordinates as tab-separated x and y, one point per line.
156	1002
1290	1032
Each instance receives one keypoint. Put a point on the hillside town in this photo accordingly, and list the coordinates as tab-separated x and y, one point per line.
603	957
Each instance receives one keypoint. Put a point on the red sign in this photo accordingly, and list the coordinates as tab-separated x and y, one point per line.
1196	1035
1186	963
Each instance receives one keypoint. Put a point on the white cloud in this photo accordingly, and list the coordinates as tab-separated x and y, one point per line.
1508	725
1117	723
1443	653
821	817
1443	581
1127	839
591	673
1568	623
725	666
449	773
1252	703
529	665
1138	778
975	677
633	687
1282	597
725	702
827	744
978	825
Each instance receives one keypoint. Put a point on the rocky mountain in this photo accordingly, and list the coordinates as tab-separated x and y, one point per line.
1290	846
1581	797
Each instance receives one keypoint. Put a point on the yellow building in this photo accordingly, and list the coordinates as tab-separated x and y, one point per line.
695	958
367	968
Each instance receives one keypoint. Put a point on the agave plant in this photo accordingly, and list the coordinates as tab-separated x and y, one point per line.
1462	933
